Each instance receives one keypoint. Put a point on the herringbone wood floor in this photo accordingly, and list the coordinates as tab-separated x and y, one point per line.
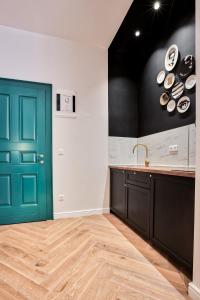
176	275
81	258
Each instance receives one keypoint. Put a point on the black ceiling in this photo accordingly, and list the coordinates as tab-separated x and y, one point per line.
154	26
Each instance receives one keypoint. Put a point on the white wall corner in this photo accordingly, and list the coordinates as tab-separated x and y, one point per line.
81	213
194	287
194	292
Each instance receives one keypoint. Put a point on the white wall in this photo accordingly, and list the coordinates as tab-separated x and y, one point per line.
194	288
80	174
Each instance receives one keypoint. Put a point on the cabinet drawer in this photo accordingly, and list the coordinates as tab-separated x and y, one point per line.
139	179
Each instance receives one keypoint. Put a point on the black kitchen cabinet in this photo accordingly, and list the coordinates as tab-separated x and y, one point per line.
159	207
172	224
138	209
130	199
118	193
138	201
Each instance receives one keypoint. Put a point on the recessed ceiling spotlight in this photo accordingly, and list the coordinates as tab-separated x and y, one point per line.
137	33
156	5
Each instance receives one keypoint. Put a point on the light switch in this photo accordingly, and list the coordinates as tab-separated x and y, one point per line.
61	197
173	149
61	151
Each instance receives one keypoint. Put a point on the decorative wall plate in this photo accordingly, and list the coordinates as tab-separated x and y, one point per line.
190	82
171	106
171	58
161	77
169	81
164	99
177	90
183	104
187	66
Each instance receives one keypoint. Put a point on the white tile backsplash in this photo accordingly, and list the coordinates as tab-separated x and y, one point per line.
159	143
192	145
120	149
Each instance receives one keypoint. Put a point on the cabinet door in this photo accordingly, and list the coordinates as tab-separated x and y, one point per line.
118	193
173	214
138	212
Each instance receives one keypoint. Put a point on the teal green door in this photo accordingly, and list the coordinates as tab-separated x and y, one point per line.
25	152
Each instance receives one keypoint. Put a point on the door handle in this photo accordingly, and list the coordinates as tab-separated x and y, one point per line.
40	158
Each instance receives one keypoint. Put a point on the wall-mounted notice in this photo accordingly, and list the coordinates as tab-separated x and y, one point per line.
66	104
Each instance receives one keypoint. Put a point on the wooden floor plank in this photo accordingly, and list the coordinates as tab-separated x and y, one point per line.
173	273
89	258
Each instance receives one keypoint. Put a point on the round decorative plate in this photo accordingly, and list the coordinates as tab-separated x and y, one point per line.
164	99
183	104
187	66
161	77
190	82
169	81
171	106
177	90
171	57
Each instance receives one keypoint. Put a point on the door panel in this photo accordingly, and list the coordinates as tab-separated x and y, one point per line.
5	188
28	157
28	113
29	189
173	213
25	134
118	193
4	157
4	116
138	201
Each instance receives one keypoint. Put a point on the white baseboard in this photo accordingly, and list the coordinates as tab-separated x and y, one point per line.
81	213
194	291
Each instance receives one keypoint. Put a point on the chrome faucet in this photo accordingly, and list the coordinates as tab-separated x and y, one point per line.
146	162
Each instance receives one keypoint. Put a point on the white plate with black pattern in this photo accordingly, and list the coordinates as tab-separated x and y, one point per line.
178	90
171	57
187	66
183	104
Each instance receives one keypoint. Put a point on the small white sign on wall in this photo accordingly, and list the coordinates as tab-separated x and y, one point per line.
66	104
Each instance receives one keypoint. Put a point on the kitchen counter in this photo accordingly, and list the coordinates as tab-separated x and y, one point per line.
182	172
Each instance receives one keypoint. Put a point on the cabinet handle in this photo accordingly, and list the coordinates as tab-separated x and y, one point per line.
150	176
125	185
134	173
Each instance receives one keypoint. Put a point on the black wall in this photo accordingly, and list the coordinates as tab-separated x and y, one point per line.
134	107
152	117
123	95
